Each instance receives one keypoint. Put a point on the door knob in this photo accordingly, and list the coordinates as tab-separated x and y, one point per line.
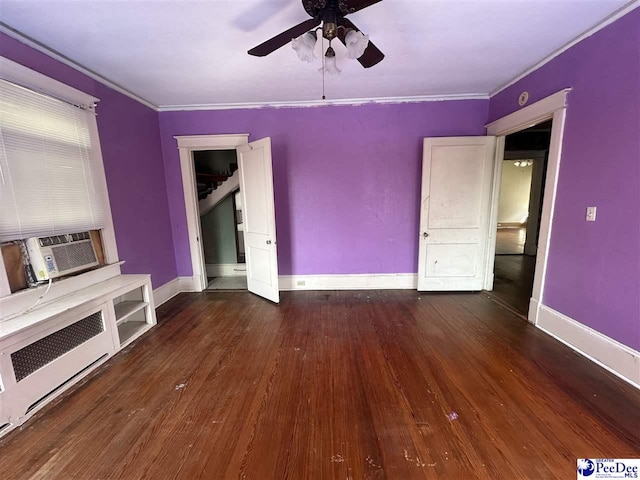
268	242
425	234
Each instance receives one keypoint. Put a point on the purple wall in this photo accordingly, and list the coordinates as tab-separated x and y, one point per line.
346	178
130	141
594	268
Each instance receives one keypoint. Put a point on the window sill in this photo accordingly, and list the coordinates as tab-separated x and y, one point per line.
22	300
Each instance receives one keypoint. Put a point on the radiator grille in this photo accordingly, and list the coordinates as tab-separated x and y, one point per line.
32	357
73	255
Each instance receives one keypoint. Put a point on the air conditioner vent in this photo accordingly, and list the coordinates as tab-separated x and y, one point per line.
60	255
44	351
73	255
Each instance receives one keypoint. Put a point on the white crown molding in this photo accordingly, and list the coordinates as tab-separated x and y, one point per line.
21	37
324	103
619	359
4	28
18	74
632	5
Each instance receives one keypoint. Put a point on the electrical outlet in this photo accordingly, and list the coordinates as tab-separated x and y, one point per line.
301	283
591	214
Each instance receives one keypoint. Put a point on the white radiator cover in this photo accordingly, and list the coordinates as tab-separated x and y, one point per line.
37	369
48	350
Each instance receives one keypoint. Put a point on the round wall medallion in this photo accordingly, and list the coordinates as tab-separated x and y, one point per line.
523	98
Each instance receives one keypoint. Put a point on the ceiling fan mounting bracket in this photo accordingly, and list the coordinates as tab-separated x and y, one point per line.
315	7
329	23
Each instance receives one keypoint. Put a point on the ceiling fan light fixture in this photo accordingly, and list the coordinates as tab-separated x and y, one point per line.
305	45
330	65
356	42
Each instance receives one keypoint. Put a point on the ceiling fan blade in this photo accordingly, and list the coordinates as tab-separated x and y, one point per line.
372	54
282	39
355	5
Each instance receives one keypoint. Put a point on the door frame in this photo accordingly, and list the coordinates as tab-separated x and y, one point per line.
552	108
186	146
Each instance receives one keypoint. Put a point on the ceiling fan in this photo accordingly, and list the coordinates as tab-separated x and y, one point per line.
331	14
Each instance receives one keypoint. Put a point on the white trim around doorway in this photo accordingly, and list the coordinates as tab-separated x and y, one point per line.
552	108
186	146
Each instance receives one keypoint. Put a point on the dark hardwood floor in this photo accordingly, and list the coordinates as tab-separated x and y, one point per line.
510	240
335	385
513	281
513	271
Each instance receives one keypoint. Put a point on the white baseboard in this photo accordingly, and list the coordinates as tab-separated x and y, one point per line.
619	359
172	288
166	292
381	281
188	284
226	269
534	311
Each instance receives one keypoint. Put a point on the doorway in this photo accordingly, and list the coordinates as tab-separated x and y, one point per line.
553	108
255	179
523	173
220	207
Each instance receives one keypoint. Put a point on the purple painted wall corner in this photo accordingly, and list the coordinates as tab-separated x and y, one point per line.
593	273
346	178
130	143
130	140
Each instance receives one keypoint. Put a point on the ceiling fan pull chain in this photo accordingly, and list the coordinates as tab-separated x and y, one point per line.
323	67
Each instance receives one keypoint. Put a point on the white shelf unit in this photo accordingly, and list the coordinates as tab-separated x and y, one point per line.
132	314
84	328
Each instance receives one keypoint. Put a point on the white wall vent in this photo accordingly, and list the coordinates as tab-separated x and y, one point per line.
44	351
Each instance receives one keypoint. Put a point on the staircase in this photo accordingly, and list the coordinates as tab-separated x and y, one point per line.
208	182
216	175
218	193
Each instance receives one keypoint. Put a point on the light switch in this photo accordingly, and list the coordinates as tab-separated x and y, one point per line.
591	214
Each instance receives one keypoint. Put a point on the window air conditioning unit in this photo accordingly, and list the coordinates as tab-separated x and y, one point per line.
60	255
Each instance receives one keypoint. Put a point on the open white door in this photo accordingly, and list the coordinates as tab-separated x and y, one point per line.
256	187
455	212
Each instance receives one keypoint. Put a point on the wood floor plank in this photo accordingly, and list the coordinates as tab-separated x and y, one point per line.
332	385
513	281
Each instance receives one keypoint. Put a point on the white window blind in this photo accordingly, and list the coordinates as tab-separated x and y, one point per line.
47	166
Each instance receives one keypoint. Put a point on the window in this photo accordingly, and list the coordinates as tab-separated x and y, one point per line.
48	163
51	174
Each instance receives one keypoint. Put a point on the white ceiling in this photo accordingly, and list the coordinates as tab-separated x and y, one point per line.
179	52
